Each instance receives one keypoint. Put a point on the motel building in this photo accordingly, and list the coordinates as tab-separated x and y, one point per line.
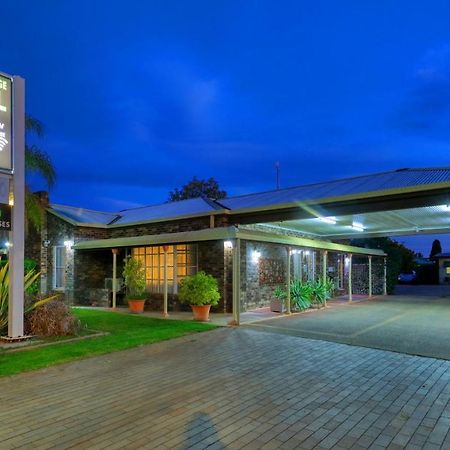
250	243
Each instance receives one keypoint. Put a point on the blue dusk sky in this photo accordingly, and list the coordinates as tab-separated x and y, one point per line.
139	96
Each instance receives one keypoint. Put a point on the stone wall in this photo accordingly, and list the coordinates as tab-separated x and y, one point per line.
263	268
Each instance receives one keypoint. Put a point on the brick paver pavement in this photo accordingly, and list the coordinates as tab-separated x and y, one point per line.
232	389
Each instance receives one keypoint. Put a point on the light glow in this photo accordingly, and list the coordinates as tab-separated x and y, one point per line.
227	244
255	256
357	226
330	220
68	244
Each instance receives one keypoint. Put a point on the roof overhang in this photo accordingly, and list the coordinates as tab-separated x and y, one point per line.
226	233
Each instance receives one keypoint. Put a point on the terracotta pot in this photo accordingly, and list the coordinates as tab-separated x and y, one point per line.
136	306
201	313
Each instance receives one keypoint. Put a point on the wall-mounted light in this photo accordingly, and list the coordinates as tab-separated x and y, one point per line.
68	244
8	244
255	256
347	261
306	252
330	220
227	244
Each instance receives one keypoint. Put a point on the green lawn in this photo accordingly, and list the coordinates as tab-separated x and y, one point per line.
125	330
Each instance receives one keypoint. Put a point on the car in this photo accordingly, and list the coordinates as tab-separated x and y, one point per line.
407	277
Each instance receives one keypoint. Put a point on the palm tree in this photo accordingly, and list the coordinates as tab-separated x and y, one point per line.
36	161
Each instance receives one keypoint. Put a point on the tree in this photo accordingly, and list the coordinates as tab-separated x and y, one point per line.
435	248
198	188
399	257
36	161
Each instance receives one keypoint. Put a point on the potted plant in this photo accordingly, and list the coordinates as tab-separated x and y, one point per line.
200	291
134	279
278	304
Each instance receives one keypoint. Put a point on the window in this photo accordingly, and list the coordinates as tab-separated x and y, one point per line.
59	269
181	261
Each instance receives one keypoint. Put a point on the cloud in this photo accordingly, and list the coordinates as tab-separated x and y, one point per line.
427	106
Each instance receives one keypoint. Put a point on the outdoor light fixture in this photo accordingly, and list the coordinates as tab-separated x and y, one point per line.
307	252
68	244
227	244
357	226
7	244
330	220
255	256
347	260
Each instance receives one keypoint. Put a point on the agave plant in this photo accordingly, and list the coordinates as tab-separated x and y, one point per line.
301	293
30	277
322	290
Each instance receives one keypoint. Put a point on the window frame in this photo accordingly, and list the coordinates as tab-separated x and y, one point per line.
61	267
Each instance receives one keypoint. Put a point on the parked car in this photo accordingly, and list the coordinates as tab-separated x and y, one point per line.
407	277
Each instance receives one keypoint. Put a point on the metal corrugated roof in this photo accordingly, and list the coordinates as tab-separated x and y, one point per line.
401	179
191	207
166	211
83	216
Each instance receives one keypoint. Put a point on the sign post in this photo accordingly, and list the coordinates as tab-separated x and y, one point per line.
12	163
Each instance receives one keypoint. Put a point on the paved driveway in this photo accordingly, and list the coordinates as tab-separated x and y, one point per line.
409	323
232	389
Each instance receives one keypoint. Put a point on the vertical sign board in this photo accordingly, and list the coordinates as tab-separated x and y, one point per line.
5	124
6	145
12	165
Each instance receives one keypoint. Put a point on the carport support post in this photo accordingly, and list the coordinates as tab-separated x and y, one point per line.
114	285
350	295
288	281
384	276
370	276
236	282
166	291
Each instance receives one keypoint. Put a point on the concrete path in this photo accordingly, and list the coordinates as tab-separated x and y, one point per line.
417	325
232	389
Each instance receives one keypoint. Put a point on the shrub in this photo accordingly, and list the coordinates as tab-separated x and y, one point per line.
134	277
52	319
199	289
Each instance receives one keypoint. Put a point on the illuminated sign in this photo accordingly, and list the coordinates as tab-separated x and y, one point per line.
5	217
5	123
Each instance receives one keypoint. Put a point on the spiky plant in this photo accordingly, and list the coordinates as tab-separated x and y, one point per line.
30	277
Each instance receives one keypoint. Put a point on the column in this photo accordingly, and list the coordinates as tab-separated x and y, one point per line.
114	277
370	276
324	268
385	276
166	286
288	281
350	294
16	251
236	282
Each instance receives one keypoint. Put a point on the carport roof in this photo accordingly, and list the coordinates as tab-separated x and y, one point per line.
372	185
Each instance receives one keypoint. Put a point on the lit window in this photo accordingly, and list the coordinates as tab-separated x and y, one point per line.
181	261
59	270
